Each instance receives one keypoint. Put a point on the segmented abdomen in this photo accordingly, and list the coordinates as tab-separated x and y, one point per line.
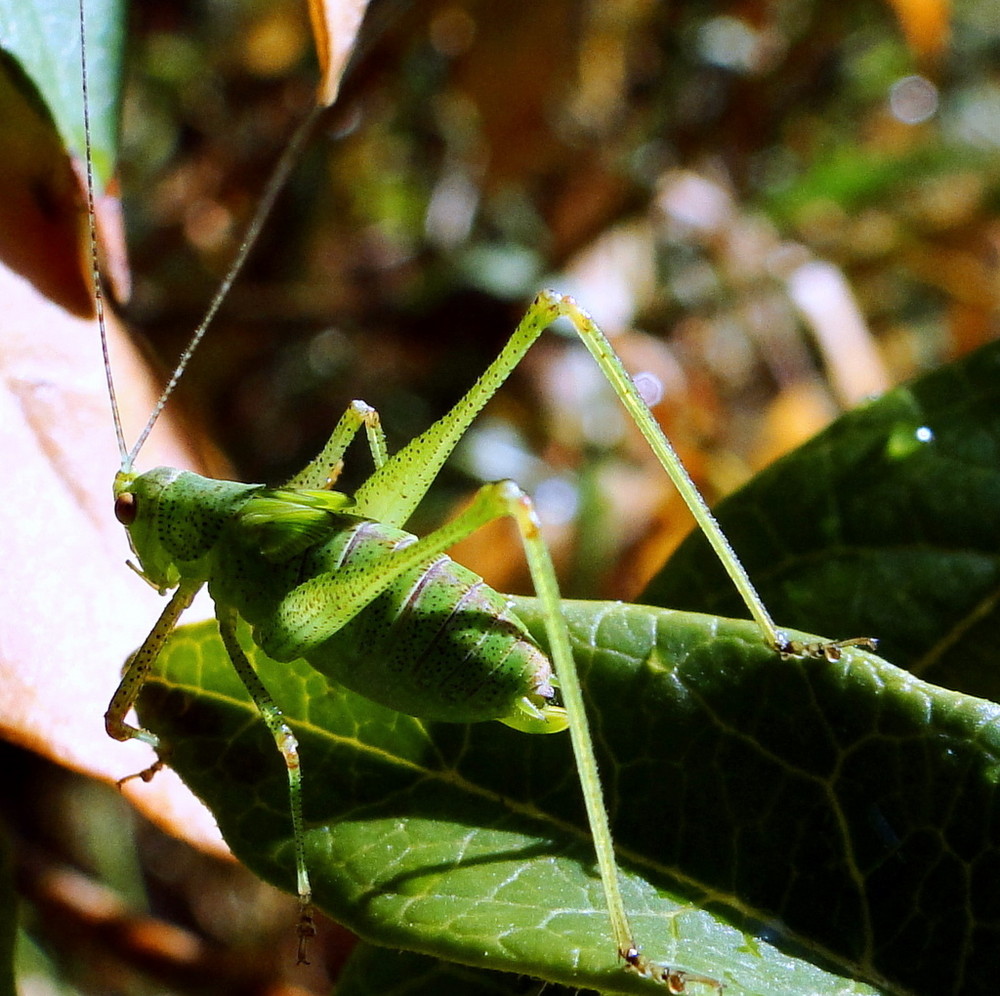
438	643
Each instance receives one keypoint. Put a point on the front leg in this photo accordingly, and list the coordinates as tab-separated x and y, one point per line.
139	665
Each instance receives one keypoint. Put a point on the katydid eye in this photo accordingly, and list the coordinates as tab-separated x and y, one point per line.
126	508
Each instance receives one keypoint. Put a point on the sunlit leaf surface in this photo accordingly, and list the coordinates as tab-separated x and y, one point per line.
814	808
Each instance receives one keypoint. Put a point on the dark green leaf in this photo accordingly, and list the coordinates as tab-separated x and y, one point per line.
887	524
824	813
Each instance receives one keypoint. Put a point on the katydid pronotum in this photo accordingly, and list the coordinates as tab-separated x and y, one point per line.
320	575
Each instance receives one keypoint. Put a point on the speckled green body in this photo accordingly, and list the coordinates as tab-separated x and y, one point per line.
438	643
335	580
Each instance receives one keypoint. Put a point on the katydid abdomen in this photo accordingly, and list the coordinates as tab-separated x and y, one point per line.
437	642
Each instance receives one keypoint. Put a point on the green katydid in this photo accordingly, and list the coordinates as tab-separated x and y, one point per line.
335	579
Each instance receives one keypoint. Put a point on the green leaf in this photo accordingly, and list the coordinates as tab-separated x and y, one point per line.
830	816
43	37
886	524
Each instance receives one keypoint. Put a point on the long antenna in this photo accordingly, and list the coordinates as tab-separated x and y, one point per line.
271	190
274	184
126	457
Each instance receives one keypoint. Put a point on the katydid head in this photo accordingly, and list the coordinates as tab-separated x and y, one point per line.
137	506
173	519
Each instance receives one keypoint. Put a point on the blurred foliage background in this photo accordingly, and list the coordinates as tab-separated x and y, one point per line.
775	209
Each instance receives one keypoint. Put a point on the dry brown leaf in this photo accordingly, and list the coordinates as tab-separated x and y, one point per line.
335	25
40	210
72	609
